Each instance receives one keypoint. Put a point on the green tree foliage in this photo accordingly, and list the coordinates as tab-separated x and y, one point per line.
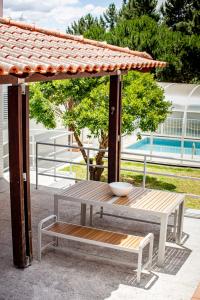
89	26
182	15
138	33
175	39
111	16
85	24
181	51
48	100
84	103
137	8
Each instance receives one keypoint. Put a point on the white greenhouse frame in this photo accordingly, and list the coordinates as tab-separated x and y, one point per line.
185	101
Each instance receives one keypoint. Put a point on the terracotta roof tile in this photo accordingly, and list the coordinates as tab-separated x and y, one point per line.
25	48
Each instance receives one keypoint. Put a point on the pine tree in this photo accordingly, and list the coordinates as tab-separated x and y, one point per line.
136	8
195	24
111	16
84	24
182	15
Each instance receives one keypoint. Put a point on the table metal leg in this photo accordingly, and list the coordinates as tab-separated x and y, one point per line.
91	215
101	212
180	222
56	212
175	224
83	214
56	209
162	240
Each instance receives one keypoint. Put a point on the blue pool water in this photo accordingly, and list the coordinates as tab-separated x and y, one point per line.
166	146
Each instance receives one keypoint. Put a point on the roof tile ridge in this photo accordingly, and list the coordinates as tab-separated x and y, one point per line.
117	48
32	27
56	33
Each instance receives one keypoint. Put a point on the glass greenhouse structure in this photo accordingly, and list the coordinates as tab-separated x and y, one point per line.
185	118
179	135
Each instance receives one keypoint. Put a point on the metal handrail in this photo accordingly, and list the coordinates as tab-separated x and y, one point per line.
145	161
122	153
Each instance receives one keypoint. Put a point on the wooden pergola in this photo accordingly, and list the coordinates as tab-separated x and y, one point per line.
31	54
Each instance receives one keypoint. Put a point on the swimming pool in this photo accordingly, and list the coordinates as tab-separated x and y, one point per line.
166	146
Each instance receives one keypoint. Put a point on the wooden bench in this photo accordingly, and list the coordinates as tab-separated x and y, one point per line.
98	237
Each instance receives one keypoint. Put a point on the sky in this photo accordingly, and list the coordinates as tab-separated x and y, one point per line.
55	14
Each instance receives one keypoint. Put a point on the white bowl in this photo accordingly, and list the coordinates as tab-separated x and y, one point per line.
120	188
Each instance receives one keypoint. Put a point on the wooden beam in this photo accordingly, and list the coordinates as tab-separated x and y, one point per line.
61	76
8	79
114	143
37	77
16	165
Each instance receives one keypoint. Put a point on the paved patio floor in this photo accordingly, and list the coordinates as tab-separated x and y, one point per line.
73	274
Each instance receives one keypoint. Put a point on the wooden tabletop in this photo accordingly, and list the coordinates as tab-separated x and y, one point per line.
138	198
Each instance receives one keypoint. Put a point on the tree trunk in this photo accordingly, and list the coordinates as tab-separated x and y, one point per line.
95	171
69	105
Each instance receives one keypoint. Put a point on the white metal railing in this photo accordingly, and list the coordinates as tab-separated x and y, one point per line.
193	128
36	134
145	159
171	127
174	127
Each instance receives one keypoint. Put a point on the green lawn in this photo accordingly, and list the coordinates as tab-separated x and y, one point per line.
156	181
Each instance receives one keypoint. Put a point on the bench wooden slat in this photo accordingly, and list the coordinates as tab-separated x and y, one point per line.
98	235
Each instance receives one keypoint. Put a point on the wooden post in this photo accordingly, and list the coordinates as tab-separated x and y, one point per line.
119	128
1	132
19	181
114	144
1	8
26	171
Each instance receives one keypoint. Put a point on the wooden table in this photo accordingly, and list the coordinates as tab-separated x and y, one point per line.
145	201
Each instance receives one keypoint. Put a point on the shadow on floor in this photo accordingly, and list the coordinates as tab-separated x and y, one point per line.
86	263
174	260
72	276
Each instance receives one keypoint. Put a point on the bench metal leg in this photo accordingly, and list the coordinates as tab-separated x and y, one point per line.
55	242
40	226
149	239
39	243
83	214
139	269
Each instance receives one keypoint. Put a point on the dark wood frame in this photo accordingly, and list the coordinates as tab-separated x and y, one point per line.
114	139
16	175
18	123
18	115
26	78
26	172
